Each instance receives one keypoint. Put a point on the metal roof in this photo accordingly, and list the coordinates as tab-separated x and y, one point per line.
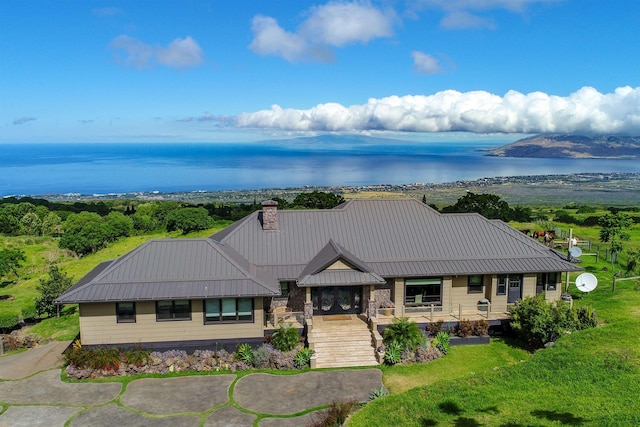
394	237
378	238
173	268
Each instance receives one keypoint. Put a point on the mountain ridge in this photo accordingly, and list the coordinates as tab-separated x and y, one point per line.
572	146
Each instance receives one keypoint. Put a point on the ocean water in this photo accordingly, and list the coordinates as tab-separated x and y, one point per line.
38	169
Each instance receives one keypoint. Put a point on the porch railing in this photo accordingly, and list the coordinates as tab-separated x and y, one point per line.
295	318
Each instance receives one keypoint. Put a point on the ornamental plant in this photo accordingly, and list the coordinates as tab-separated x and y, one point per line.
404	332
285	338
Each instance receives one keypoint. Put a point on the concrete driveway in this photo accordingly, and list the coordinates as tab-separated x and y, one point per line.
32	394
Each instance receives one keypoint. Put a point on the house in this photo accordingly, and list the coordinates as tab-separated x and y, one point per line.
309	267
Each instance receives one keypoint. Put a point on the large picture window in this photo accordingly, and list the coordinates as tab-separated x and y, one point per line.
179	309
423	291
228	310
475	284
126	312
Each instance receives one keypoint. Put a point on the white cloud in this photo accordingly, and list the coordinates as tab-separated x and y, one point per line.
461	14
339	24
271	39
424	63
180	53
335	24
585	111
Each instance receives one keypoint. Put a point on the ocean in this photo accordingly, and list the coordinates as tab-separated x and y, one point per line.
103	168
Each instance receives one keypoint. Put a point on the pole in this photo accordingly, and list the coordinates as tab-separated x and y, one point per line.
569	256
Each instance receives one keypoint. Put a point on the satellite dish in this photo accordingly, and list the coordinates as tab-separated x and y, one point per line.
586	282
575	251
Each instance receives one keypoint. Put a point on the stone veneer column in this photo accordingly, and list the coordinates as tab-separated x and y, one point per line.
308	310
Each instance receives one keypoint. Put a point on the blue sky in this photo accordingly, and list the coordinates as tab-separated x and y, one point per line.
249	70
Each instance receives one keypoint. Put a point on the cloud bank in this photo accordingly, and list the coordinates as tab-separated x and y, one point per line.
180	53
584	111
335	24
23	120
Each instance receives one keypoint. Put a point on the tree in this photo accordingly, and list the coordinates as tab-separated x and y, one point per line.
10	261
318	200
116	225
31	224
488	205
613	231
52	225
83	233
50	289
188	220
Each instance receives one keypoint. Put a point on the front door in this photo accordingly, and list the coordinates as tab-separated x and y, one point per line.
515	289
337	300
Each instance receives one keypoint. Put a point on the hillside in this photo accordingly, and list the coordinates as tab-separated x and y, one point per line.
572	146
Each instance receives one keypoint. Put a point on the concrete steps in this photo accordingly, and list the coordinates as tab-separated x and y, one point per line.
342	345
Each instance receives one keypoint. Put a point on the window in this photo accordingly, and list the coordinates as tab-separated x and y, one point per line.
423	291
502	285
126	312
228	310
179	309
546	282
285	289
475	285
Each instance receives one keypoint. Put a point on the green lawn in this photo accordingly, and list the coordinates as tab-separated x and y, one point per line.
590	377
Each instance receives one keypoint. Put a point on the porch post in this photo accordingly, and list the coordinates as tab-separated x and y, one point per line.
308	305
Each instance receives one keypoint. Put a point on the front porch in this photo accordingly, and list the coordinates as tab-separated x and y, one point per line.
451	314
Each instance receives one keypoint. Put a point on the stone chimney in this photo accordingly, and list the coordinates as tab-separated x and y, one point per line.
270	215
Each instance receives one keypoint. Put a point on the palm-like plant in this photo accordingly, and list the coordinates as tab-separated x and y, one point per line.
405	332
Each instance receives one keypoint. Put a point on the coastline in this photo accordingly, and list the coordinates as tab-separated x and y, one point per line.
614	188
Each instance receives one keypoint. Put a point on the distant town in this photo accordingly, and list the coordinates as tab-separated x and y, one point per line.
585	188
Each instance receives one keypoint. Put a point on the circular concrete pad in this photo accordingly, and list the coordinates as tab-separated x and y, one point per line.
47	387
113	415
178	394
34	416
230	417
289	394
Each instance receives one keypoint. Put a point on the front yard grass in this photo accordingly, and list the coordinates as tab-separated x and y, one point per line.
591	377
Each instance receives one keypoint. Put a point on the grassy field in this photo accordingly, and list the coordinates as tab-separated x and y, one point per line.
591	377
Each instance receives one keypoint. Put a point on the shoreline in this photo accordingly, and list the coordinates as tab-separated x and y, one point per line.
591	186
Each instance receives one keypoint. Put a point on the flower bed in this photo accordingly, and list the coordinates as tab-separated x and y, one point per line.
109	362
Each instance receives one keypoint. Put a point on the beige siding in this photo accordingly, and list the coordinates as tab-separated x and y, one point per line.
460	295
98	325
529	285
340	265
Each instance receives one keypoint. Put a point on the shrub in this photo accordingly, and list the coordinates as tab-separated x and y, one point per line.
245	353
334	416
261	357
8	321
481	328
404	332
429	354
302	358
29	312
586	318
435	327
136	357
99	358
465	328
441	342
393	353
285	338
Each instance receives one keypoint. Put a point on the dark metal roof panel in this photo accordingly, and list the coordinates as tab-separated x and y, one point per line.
400	230
341	278
166	290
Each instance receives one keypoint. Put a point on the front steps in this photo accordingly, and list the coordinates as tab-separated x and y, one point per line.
341	343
